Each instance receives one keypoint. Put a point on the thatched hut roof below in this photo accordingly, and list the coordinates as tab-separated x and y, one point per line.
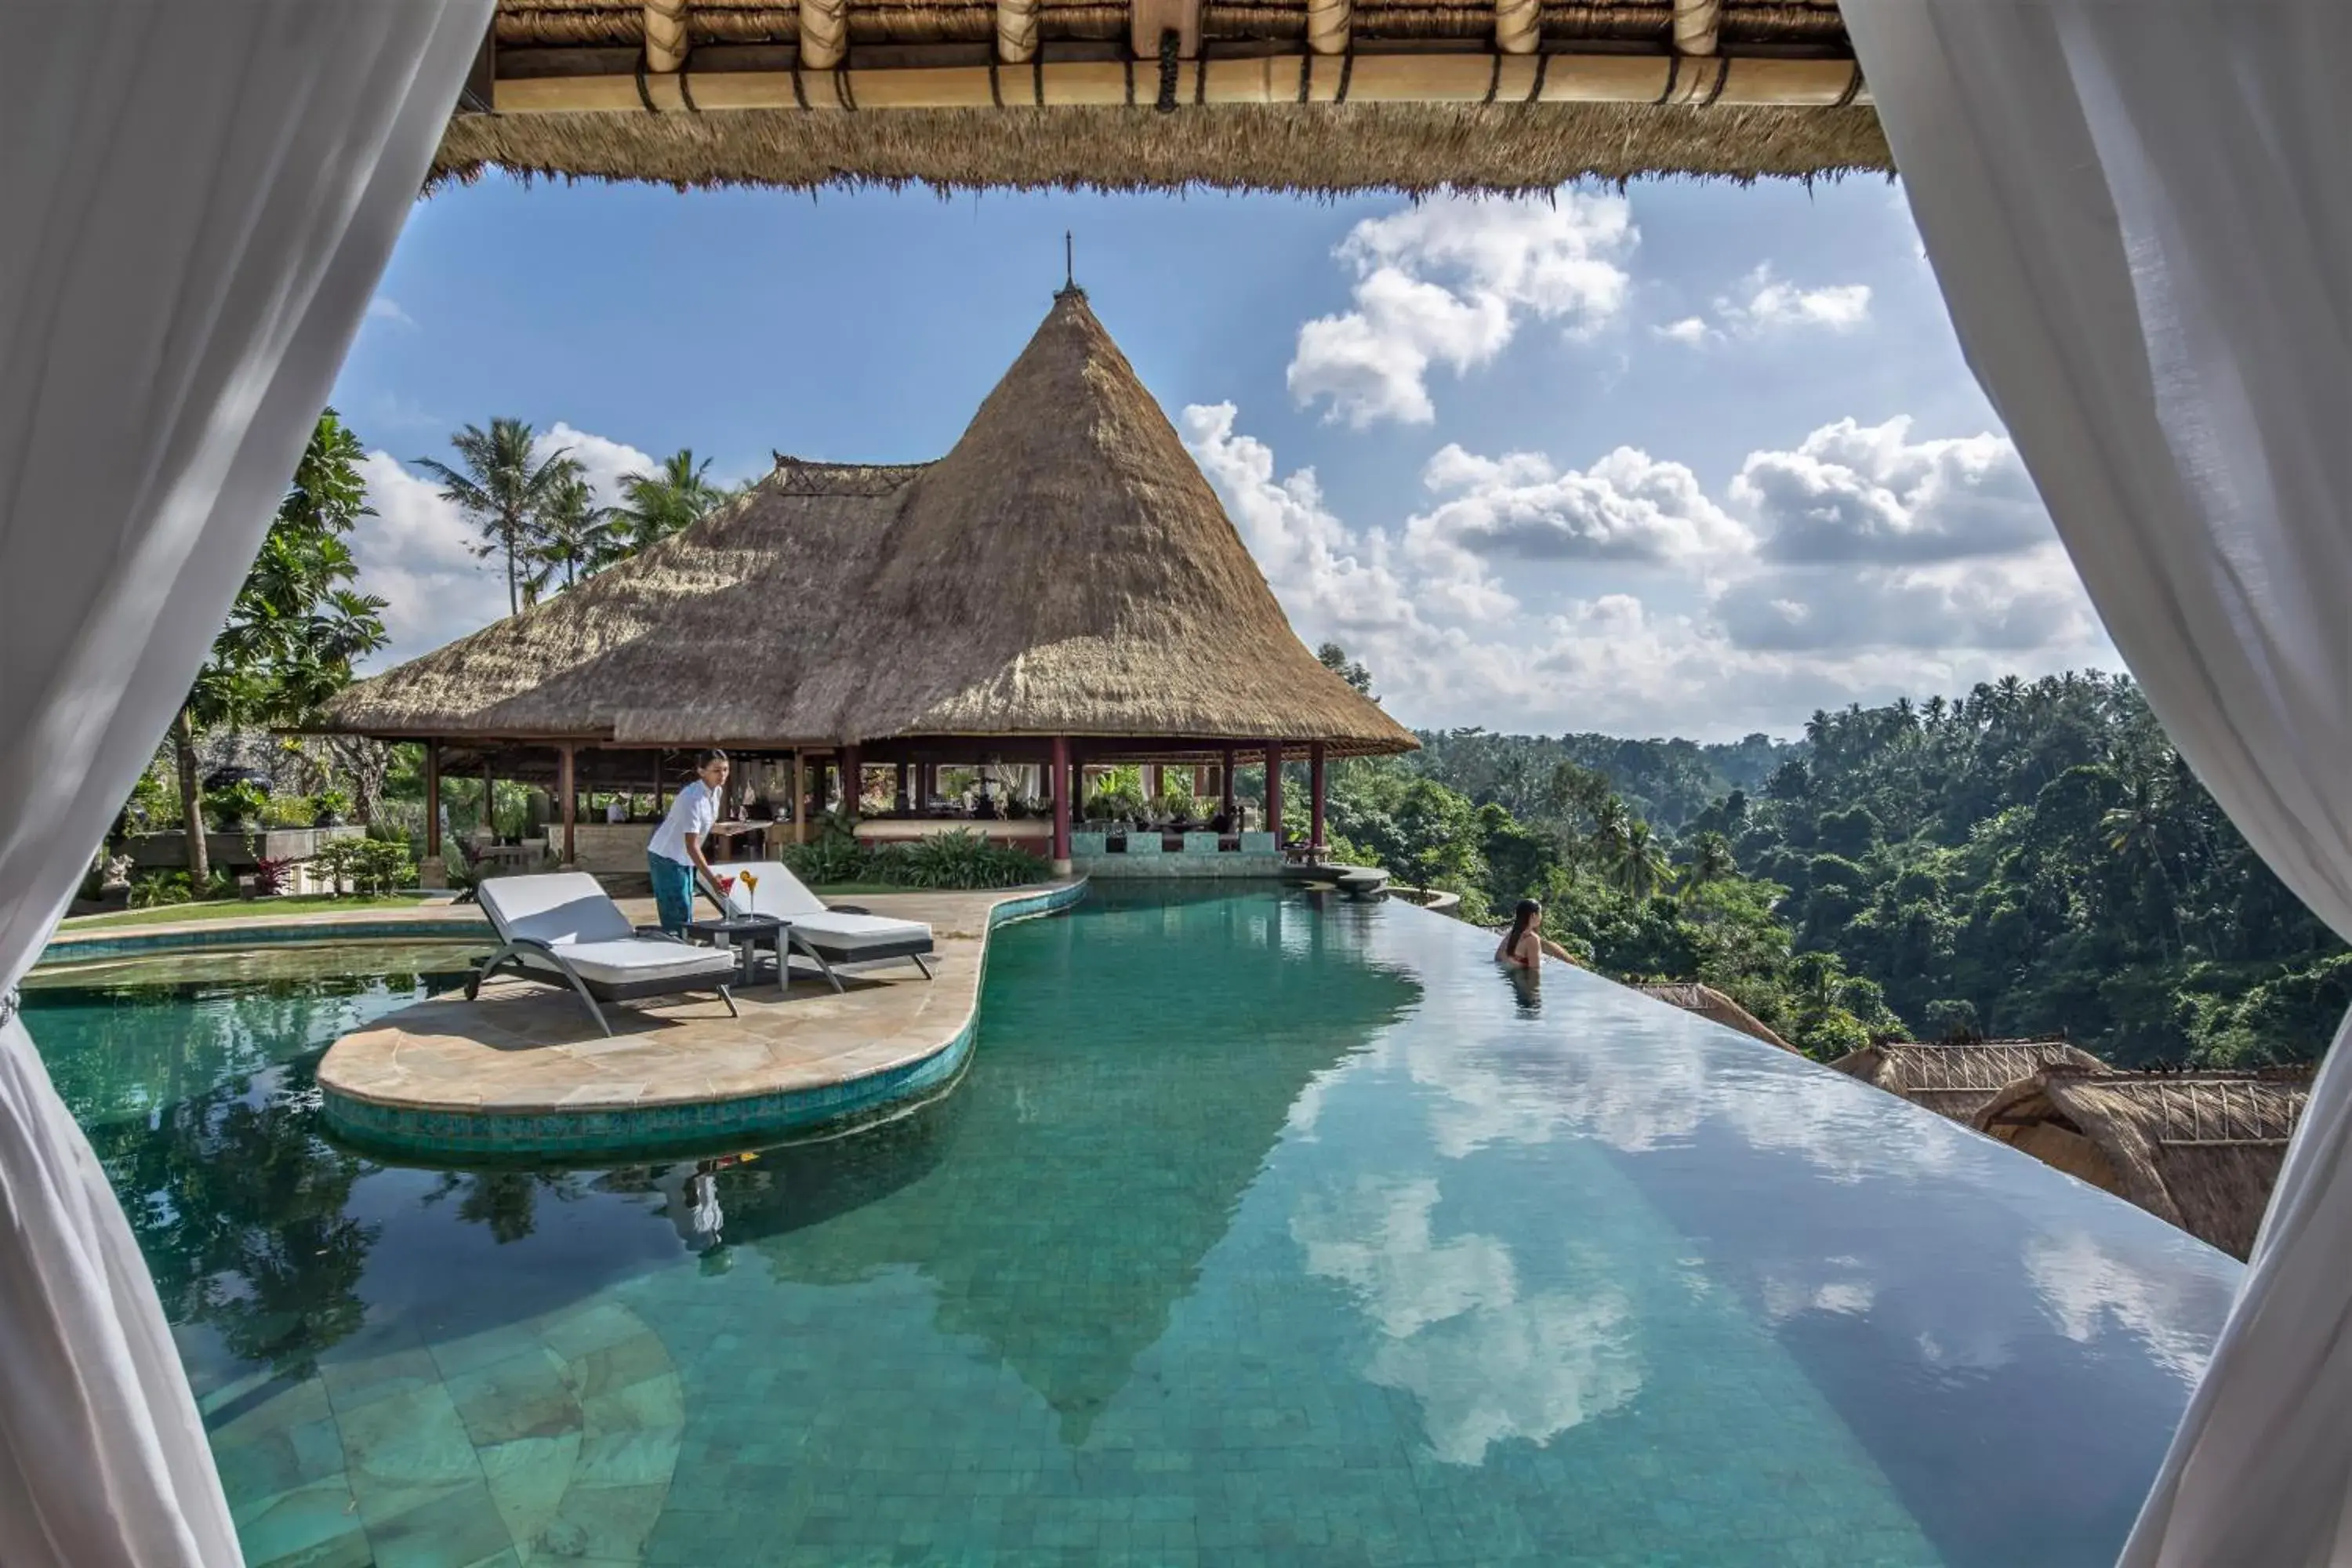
2202	1150
1712	1004
1957	1077
1065	571
1164	94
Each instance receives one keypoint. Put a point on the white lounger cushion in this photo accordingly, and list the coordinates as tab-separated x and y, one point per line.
557	908
628	961
848	933
780	893
786	897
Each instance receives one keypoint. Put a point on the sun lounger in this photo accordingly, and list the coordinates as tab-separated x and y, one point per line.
835	937
560	929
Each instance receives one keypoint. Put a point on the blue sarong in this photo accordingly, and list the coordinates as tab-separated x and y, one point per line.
673	892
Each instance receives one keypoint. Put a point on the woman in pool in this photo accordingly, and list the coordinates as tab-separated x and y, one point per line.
675	853
1523	945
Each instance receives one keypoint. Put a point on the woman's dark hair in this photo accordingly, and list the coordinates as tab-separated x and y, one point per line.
1522	920
703	759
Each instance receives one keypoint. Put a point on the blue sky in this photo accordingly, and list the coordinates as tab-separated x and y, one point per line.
1691	459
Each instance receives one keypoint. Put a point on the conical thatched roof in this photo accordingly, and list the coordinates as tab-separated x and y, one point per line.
1956	1078
2199	1149
1276	94
1065	570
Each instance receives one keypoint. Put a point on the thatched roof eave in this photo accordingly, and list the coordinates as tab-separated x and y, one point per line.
1277	95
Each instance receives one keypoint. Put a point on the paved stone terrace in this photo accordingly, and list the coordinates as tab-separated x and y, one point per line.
524	1069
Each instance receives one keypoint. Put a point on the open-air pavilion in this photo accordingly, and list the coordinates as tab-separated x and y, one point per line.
1061	592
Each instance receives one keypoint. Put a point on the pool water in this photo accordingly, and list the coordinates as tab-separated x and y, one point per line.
1264	1228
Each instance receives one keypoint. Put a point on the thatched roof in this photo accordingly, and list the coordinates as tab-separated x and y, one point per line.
1065	570
2199	1149
1322	95
1956	1078
1709	1003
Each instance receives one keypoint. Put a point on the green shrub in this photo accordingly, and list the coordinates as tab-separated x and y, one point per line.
828	859
155	888
291	811
959	860
382	865
234	806
330	806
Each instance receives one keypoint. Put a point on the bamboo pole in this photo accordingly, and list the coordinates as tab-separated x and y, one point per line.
665	40
1331	25
1016	31
1517	26
824	35
1695	22
1424	77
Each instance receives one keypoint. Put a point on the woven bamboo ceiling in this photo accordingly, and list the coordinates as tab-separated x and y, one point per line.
1324	95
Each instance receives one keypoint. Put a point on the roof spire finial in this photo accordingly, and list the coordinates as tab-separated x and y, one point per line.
1069	269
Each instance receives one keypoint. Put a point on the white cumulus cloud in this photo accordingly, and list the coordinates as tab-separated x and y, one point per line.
1762	305
385	308
1725	613
1446	283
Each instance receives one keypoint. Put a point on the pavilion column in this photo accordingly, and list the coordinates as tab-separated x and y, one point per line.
1225	784
1151	781
1314	800
564	785
1274	790
799	797
433	800
1062	792
904	803
489	801
853	782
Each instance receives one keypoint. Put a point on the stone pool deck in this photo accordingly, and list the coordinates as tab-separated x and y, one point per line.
524	1071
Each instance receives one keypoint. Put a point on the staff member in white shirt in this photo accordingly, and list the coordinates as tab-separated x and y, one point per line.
675	853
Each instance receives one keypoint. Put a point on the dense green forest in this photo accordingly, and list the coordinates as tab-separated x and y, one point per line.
2033	857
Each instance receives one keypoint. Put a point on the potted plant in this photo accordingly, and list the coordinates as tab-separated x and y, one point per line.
331	806
238	808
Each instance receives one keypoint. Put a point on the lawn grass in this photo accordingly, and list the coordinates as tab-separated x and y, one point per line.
233	909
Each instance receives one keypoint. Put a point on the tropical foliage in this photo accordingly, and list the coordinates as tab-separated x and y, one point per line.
2030	857
296	624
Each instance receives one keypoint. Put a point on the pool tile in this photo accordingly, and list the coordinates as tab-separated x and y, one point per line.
601	1521
525	1395
310	1526
432	1528
528	1478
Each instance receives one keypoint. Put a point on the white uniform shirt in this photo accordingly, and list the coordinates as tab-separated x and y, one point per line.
690	816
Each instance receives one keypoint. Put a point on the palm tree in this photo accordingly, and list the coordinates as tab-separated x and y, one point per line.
1711	861
654	506
576	536
1638	868
503	490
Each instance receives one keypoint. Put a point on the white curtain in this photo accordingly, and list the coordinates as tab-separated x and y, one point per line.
195	203
2141	219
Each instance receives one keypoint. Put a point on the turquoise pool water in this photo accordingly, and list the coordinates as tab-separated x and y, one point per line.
1262	1230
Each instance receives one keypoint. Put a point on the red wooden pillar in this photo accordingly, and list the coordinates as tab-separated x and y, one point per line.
1274	790
571	800
1062	792
853	782
1314	797
432	800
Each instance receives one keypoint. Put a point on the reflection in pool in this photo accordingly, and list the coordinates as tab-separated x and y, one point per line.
1260	1230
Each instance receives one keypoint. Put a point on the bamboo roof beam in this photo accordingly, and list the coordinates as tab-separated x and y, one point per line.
1330	26
1695	25
666	40
1518	27
825	34
1016	31
1274	78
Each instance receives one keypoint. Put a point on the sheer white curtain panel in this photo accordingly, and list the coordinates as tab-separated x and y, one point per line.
196	202
2140	219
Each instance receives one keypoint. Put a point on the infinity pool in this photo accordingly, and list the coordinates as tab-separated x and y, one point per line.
1260	1230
